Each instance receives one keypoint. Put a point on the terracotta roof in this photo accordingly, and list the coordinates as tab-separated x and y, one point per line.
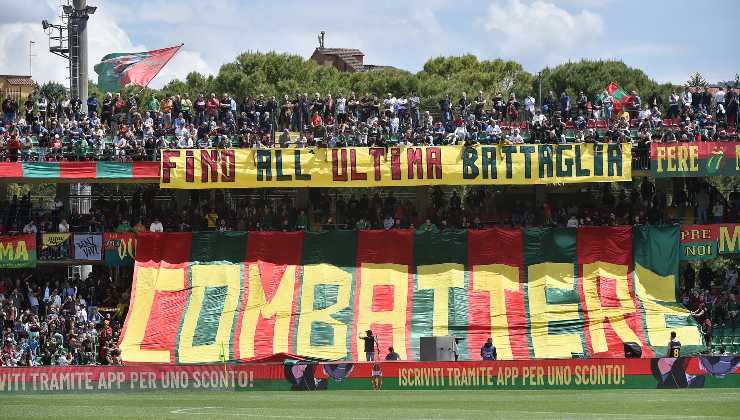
345	54
339	51
20	81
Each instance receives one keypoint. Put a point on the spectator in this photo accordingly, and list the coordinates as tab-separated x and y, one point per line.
156	226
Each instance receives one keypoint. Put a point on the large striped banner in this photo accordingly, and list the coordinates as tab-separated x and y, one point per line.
539	293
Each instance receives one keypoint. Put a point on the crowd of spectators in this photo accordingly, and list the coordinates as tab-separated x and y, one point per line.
475	207
712	296
48	319
124	128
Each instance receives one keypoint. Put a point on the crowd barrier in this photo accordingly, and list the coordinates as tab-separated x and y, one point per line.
655	373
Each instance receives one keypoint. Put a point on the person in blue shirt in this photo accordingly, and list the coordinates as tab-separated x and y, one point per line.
92	105
488	351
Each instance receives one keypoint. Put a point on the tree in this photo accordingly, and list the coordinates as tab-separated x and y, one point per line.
697	80
53	90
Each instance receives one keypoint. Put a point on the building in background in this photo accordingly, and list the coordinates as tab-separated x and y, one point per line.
15	86
342	59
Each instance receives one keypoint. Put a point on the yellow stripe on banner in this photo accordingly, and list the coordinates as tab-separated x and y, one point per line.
496	279
600	315
541	313
147	282
313	276
396	166
441	278
653	289
204	276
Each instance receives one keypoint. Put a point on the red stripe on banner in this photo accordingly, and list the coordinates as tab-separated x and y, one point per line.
173	248
149	170
272	252
496	246
77	170
164	319
384	247
611	245
11	170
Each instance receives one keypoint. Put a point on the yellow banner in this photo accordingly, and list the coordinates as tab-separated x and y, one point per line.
53	240
524	164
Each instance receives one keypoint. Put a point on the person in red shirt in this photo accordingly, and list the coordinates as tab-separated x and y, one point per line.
14	145
212	106
316	120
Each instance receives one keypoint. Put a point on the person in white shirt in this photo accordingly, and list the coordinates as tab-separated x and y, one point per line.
515	137
389	222
30	228
121	147
390	103
644	113
686	99
63	226
62	360
156	226
719	97
395	122
493	131
529	104
341	107
185	143
461	133
81	314
572	222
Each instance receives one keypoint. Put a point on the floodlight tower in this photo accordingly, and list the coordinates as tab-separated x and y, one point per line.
79	12
68	39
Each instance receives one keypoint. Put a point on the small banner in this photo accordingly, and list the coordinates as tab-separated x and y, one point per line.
18	251
119	248
704	242
88	246
55	246
293	375
524	164
696	159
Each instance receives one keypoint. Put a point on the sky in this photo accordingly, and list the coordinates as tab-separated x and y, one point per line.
669	40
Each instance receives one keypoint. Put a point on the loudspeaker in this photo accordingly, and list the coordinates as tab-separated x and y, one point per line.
632	350
439	349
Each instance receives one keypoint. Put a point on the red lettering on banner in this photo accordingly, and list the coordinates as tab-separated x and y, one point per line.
434	163
209	163
168	165
395	163
413	156
376	153
355	176
189	166
228	166
336	175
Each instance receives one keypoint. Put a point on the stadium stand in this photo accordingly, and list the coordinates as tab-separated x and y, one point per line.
49	320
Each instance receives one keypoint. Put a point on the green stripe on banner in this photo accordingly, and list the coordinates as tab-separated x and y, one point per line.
552	246
324	253
657	248
109	170
41	170
447	251
206	328
219	246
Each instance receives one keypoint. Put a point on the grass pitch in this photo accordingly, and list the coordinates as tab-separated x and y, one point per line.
369	405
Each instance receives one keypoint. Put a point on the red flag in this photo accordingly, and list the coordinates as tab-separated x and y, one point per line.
118	70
